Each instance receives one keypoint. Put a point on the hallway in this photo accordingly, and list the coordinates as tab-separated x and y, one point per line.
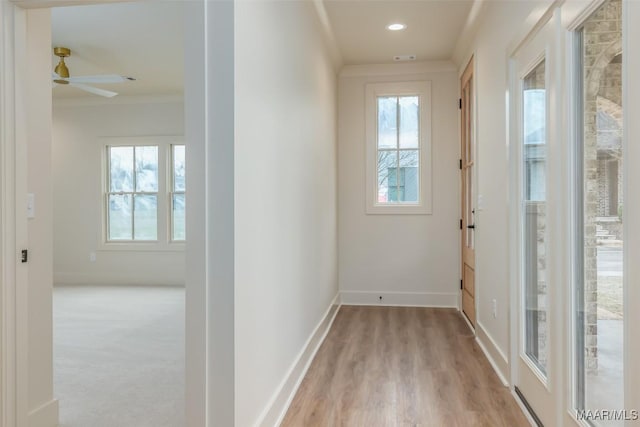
401	366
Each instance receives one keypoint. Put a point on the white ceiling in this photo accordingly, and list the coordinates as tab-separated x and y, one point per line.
142	40
433	27
145	39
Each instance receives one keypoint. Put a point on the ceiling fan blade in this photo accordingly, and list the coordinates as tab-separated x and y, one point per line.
94	90
106	78
55	76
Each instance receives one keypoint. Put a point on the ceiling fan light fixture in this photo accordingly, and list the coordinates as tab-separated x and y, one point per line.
62	70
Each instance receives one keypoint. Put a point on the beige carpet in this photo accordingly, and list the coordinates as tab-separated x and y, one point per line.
119	356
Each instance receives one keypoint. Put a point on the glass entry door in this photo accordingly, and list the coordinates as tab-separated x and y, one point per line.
533	96
600	219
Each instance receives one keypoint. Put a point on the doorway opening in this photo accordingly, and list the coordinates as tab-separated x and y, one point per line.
119	215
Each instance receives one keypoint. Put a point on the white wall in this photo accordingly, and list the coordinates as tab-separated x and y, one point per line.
77	190
499	25
285	193
427	270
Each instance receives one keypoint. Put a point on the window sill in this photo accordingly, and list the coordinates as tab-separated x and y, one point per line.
142	247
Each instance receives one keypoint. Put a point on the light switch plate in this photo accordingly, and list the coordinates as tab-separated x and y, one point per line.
31	205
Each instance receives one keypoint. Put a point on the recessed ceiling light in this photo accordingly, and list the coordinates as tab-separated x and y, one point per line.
396	27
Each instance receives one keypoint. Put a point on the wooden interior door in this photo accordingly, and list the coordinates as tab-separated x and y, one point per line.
467	170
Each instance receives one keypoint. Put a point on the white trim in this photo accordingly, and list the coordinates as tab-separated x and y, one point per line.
460	55
8	262
278	405
109	278
400	299
571	163
575	13
21	233
92	101
398	69
631	231
198	378
498	360
41	4
411	88
524	409
116	246
329	34
492	362
44	416
533	24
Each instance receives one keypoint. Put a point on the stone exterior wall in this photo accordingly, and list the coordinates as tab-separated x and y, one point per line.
602	38
543	332
535	229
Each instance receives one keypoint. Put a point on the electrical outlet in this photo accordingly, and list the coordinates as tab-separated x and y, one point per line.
495	309
92	256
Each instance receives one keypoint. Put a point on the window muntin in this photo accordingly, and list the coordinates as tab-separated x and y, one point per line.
398	142
178	187
132	199
398	148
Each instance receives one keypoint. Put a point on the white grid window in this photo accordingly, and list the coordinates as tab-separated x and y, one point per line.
398	148
178	187
144	193
132	197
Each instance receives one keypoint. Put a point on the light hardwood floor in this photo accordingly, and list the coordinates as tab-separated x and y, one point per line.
401	366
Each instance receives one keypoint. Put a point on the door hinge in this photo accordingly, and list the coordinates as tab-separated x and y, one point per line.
24	257
461	287
460	166
460	103
461	224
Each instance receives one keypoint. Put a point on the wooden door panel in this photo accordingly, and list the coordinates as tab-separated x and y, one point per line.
468	280
466	179
468	307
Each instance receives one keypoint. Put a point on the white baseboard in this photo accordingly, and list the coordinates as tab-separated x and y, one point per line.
277	408
44	416
496	357
403	299
113	279
524	409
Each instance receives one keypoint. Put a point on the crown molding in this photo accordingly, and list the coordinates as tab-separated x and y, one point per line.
397	69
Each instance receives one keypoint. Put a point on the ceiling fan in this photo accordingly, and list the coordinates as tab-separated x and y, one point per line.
61	76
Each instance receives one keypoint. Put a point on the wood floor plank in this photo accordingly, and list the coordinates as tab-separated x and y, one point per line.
401	366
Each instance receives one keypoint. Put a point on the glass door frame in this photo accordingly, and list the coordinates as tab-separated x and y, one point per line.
562	166
533	388
575	14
